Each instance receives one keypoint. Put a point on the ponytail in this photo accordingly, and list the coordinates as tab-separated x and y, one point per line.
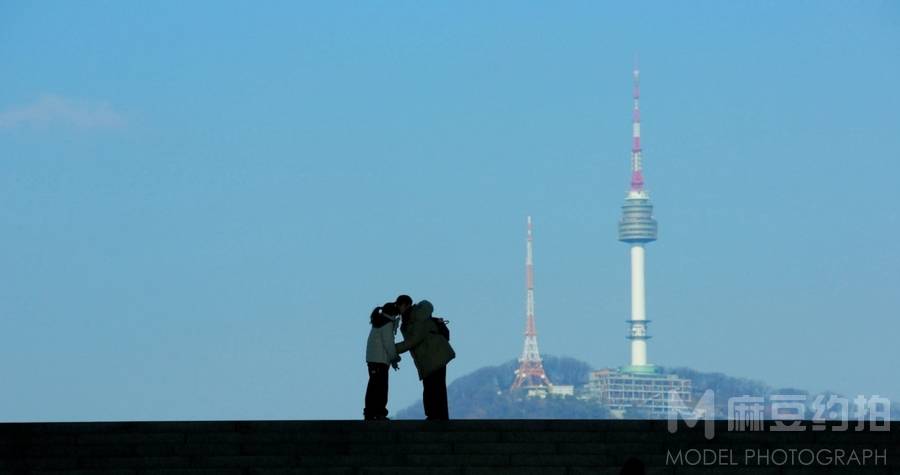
376	315
378	318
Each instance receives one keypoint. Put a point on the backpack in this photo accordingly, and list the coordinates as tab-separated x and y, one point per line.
441	325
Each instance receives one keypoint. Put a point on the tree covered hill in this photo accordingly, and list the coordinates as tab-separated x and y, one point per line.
484	393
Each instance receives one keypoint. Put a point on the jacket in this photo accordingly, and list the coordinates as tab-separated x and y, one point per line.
380	345
429	350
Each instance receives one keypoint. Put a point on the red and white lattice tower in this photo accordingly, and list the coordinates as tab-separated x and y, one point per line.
531	371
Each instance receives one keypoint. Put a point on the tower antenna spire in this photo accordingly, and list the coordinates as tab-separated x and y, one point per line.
530	373
637	174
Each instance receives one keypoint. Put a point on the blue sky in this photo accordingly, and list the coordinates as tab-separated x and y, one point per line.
200	203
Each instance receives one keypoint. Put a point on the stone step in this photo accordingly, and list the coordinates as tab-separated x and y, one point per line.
457	447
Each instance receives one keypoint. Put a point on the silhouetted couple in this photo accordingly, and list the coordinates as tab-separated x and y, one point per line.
425	341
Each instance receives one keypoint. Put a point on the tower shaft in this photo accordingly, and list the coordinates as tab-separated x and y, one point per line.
530	373
638	330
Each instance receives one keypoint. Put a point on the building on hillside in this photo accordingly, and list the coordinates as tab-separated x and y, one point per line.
555	390
654	395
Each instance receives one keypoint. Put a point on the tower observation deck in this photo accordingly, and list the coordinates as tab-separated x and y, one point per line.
637	225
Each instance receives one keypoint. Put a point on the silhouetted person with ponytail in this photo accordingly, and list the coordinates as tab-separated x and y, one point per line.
380	352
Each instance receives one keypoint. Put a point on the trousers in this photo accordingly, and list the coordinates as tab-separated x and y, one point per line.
377	391
434	395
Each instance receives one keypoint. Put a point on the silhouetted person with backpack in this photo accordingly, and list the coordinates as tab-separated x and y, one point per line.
431	351
380	351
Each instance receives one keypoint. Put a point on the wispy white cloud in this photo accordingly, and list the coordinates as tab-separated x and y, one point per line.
53	109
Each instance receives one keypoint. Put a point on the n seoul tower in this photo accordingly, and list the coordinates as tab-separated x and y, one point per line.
637	228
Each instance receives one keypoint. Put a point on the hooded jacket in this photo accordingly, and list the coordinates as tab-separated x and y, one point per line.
380	345
428	348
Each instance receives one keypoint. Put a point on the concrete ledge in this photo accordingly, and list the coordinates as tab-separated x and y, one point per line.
412	447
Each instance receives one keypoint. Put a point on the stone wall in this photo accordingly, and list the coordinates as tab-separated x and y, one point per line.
521	447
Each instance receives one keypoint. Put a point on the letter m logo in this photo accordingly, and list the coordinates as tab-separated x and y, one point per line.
704	409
